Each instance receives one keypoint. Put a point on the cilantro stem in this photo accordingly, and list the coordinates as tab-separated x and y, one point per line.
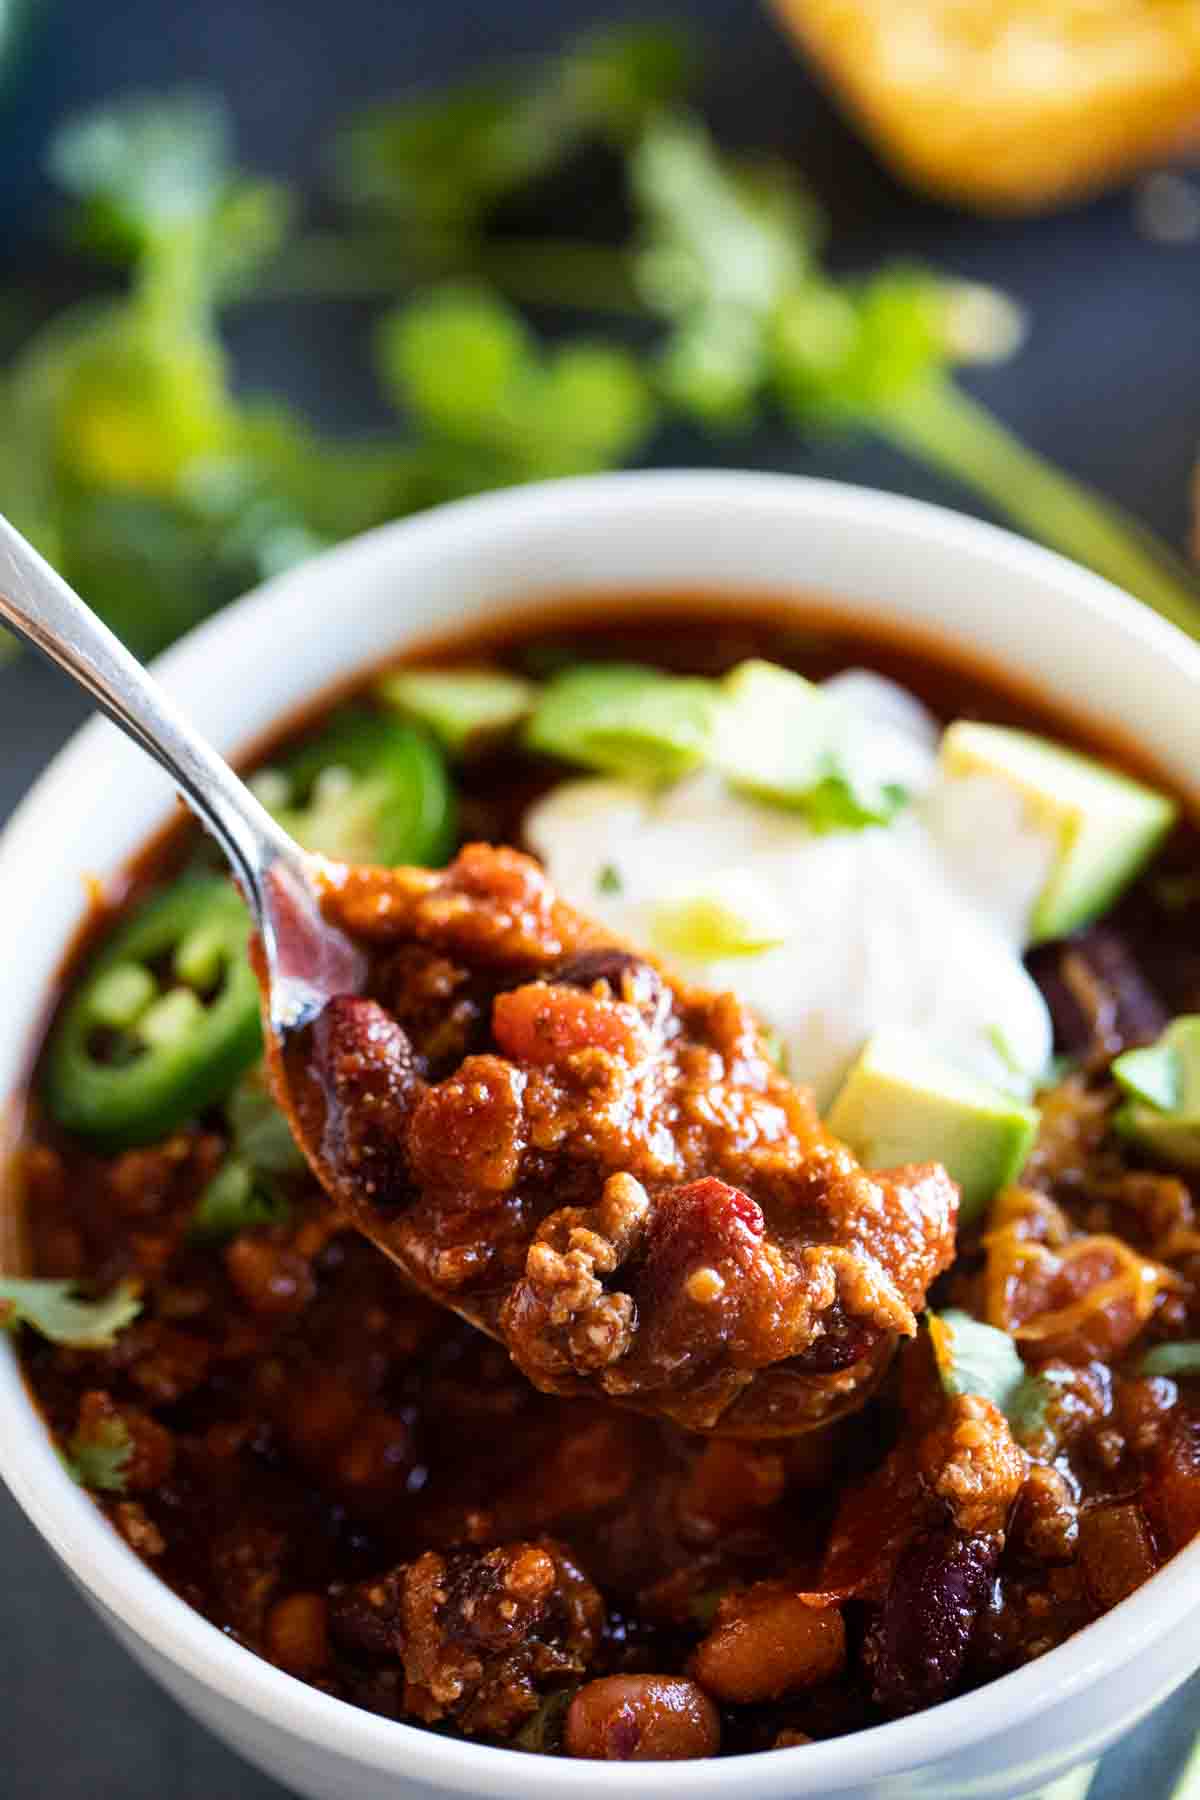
940	423
552	272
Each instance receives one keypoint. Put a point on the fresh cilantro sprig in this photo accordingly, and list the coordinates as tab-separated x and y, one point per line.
439	163
55	1310
134	463
100	1459
753	316
973	1358
464	367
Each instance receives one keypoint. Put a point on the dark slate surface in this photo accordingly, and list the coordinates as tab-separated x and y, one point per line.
1108	385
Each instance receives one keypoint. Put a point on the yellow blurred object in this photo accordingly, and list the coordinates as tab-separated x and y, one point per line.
1012	105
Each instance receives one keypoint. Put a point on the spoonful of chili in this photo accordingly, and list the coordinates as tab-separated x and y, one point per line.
598	1166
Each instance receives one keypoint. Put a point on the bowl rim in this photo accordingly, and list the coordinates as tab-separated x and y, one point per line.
108	1569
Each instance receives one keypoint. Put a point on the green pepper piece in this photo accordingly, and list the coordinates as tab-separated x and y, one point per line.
125	1085
370	789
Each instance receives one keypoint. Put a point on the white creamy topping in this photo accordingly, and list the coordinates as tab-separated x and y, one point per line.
918	925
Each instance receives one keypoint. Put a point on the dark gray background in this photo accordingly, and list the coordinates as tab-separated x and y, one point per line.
1108	385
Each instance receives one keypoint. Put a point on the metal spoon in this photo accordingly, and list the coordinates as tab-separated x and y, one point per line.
308	961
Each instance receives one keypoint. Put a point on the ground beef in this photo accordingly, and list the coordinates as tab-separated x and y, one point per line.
616	1180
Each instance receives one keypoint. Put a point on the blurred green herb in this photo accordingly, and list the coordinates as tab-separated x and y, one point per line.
439	164
55	1310
100	1460
465	368
236	1199
542	1732
137	467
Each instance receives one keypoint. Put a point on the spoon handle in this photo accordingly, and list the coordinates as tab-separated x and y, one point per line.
41	607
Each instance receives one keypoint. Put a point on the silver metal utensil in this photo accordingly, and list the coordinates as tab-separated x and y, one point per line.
308	961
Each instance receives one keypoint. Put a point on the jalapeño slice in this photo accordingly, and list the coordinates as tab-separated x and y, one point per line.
366	789
164	1022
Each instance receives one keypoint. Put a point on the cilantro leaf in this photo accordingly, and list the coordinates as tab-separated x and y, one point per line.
151	169
846	354
973	1358
467	370
54	1309
542	1732
260	1133
235	1200
720	243
152	159
439	162
100	1460
1172	1359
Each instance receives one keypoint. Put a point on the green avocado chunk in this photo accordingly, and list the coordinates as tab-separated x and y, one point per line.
1104	826
902	1104
785	740
626	719
461	707
1162	1088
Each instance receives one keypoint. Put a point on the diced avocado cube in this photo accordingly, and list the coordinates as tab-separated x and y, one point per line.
1162	1088
900	1103
785	740
1105	826
461	707
625	719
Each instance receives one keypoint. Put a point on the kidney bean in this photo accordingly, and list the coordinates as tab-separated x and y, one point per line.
642	1718
918	1645
1098	997
629	977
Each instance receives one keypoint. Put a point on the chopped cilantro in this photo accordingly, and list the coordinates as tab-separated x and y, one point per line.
542	1732
100	1460
973	1358
235	1200
260	1134
609	881
54	1309
141	472
1172	1359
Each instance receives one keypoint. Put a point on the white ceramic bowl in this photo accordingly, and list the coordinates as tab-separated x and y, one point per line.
865	555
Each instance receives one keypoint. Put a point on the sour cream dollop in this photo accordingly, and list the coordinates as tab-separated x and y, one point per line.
919	924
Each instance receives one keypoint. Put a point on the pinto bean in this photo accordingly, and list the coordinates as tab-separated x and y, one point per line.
270	1278
768	1641
642	1718
1116	1551
296	1636
1173	1491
